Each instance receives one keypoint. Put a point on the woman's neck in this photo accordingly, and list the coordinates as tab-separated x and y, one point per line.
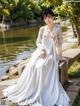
50	26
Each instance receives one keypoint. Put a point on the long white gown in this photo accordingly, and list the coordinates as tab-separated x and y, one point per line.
39	83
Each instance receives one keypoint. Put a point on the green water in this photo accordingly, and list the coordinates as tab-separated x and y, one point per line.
15	45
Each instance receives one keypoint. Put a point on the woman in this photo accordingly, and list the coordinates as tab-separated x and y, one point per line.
39	82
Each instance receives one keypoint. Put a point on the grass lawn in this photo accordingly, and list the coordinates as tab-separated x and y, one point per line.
74	72
77	100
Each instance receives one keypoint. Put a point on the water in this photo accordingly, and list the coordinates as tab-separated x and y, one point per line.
16	45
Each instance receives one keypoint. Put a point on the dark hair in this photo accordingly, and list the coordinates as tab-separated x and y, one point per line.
46	12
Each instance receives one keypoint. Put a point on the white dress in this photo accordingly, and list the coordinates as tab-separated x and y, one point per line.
39	83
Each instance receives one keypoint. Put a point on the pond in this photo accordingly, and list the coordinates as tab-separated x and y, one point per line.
15	45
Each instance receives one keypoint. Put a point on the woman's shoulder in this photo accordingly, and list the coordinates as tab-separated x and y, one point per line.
58	26
42	27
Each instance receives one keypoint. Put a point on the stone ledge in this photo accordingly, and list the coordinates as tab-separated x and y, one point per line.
73	91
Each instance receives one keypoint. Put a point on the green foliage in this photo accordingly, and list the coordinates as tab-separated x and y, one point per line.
52	3
20	9
30	9
74	71
77	100
6	12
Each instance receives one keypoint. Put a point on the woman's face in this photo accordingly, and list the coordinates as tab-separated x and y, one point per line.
48	19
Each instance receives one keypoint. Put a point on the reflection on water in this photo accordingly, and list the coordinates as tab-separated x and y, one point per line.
15	45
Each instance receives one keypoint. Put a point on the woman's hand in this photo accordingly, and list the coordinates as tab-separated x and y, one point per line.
42	54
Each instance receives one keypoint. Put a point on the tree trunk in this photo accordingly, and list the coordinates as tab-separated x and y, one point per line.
78	33
75	22
3	19
74	29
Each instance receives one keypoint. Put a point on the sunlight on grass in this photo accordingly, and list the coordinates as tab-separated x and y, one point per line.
74	71
64	29
74	46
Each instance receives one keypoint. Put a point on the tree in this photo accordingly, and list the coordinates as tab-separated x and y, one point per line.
8	7
14	10
71	10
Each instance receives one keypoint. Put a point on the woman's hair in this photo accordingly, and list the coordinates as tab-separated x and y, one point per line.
46	12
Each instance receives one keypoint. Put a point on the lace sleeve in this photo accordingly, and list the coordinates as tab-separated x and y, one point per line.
60	38
39	38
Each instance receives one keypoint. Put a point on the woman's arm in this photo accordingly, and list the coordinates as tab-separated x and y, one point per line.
39	38
39	43
60	38
57	36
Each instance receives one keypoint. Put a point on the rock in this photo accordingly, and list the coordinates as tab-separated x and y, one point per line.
5	77
7	71
13	71
1	88
17	70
